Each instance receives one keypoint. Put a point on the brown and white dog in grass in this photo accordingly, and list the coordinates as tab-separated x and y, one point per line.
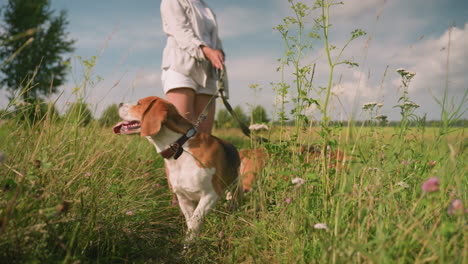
200	169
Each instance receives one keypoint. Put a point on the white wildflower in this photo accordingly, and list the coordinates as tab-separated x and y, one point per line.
373	169
229	196
258	127
298	181
411	104
369	105
402	184
406	74
322	226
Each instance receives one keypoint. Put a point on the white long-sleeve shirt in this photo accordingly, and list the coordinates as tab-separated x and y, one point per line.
187	30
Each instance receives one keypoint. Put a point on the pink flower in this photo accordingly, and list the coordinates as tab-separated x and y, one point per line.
431	185
404	162
288	200
456	207
129	213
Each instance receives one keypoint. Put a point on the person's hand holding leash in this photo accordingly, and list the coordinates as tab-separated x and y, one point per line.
216	57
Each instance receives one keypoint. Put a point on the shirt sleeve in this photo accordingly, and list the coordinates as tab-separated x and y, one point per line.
178	25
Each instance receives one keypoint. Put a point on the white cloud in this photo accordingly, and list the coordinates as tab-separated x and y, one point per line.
356	8
258	68
236	21
139	35
429	60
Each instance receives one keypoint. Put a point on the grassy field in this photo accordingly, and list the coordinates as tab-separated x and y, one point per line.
81	194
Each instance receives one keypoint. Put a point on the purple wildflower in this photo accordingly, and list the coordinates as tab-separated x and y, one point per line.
431	185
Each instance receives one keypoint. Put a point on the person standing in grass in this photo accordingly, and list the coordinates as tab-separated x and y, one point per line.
192	54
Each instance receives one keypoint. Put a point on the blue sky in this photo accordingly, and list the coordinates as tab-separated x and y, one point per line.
127	38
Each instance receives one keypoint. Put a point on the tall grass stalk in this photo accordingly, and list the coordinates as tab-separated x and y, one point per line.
450	113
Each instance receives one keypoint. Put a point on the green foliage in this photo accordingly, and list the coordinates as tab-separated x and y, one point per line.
406	106
31	112
299	38
110	116
259	115
224	119
33	44
79	114
72	194
103	198
241	115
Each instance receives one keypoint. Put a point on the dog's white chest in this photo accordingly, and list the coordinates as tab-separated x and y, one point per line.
188	178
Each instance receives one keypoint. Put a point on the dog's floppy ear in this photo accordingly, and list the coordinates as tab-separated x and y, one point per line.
153	117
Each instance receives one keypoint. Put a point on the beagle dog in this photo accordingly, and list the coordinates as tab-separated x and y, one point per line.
200	166
252	163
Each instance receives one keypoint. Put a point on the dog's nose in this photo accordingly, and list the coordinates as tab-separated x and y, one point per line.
120	105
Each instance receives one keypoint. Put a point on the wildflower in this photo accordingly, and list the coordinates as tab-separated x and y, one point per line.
298	181
129	213
221	234
229	196
431	185
431	163
88	174
402	184
258	127
321	226
369	105
406	74
410	104
381	117
404	162
456	207
288	200
373	169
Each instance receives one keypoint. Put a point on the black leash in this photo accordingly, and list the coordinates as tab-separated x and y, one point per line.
228	106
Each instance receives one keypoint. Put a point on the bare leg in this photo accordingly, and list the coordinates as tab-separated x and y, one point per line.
183	99
201	100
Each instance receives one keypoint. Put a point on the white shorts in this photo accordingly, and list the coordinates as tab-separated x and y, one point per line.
173	80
